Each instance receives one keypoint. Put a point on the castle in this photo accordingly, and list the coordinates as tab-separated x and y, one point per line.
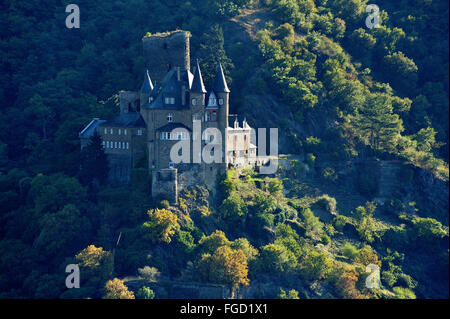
172	106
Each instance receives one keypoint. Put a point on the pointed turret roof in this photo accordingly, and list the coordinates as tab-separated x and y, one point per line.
197	84
220	84
147	86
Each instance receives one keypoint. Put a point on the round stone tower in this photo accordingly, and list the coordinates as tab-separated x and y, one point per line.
163	51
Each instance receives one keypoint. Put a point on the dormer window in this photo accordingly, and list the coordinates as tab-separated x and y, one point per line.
139	132
150	99
170	117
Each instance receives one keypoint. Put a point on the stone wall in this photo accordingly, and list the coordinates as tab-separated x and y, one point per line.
164	51
165	184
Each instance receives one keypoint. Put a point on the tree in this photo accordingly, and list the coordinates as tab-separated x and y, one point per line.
116	289
346	285
209	244
425	139
211	53
95	264
226	265
63	233
376	124
94	162
161	227
401	71
244	245
234	210
275	258
315	265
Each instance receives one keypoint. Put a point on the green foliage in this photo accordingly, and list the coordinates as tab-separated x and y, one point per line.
349	251
234	210
94	164
292	294
315	266
403	293
275	259
145	293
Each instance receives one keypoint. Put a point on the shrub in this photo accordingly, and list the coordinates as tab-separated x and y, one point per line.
349	251
339	222
404	293
149	273
145	293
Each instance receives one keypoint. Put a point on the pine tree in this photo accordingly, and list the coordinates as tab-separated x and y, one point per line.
376	124
211	53
94	163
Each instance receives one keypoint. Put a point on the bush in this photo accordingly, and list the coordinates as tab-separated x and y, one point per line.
149	273
145	293
349	251
339	222
327	203
329	175
404	293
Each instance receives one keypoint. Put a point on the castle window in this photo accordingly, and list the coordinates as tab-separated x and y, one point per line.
123	145
120	131
111	131
220	101
150	99
127	145
103	144
120	145
170	117
125	132
169	100
171	165
115	144
105	131
139	132
194	101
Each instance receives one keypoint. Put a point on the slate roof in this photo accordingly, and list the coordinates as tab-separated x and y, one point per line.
197	85
220	83
89	130
171	87
147	85
131	119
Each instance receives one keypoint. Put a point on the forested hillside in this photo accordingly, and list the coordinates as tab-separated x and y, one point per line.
363	123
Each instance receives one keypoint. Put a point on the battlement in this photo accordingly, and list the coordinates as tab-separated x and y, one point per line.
163	51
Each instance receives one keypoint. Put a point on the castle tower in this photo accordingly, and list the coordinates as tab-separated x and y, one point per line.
223	96
164	51
197	105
